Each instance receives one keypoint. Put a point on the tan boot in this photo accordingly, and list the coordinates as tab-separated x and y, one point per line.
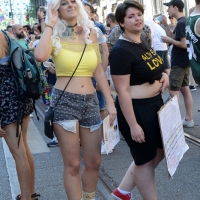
88	196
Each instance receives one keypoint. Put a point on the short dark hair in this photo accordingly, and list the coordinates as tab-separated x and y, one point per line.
28	27
122	8
39	28
179	9
112	17
86	3
197	2
9	26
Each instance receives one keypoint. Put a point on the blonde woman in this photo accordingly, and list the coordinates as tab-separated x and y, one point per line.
76	116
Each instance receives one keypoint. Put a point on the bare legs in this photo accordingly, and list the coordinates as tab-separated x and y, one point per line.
187	100
142	177
23	158
70	149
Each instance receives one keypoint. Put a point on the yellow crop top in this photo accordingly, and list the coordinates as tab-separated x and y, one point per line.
69	55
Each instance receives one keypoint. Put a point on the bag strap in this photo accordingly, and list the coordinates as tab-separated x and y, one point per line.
70	77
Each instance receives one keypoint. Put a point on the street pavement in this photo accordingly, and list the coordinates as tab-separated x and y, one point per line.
185	185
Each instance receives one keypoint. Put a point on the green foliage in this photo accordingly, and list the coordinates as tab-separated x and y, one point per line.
30	10
4	23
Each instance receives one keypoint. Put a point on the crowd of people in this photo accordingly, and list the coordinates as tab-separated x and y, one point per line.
79	56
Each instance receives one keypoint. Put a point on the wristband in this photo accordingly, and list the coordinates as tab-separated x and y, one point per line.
49	27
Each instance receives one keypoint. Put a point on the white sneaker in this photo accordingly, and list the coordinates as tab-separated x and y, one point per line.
103	149
188	124
31	115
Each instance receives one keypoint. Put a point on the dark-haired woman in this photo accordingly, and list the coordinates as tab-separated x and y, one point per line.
139	78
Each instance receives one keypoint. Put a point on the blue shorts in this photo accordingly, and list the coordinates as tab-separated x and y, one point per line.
102	103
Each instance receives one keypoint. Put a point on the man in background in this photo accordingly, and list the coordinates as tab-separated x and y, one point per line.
180	65
193	40
111	22
9	29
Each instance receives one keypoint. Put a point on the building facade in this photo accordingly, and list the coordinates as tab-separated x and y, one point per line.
152	7
15	10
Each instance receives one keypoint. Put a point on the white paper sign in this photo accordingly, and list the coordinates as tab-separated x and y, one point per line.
110	134
172	134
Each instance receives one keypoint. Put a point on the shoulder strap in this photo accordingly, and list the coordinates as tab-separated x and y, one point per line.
70	77
7	37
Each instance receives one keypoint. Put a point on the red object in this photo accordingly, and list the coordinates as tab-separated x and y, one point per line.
119	196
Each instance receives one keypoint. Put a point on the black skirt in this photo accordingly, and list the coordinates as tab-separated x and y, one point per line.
9	98
146	115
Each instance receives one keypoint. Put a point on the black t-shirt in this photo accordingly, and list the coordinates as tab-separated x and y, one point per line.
138	60
179	56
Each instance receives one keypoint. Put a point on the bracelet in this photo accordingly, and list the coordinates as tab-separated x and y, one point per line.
49	27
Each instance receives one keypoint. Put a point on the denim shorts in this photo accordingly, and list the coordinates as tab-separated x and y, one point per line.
73	108
102	103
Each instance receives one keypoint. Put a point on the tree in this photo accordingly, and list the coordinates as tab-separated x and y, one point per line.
4	23
30	10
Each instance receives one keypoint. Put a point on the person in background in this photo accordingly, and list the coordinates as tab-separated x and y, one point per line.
19	35
104	55
51	80
192	83
77	119
157	44
9	30
180	65
193	39
111	22
49	67
172	23
107	31
27	29
92	16
116	32
139	87
9	103
96	17
35	38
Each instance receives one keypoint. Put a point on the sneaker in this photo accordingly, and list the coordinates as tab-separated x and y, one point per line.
31	115
103	149
53	143
192	88
119	196
188	124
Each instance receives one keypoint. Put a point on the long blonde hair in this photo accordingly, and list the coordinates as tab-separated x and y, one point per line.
61	25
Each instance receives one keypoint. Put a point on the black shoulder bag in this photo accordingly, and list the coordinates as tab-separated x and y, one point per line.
49	115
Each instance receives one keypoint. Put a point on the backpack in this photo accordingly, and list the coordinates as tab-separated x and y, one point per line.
29	73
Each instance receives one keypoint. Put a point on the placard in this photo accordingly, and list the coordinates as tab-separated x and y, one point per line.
110	134
172	132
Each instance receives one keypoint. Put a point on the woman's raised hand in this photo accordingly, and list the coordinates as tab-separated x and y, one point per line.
52	15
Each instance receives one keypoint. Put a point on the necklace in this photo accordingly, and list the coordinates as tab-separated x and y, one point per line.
72	26
71	33
130	40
